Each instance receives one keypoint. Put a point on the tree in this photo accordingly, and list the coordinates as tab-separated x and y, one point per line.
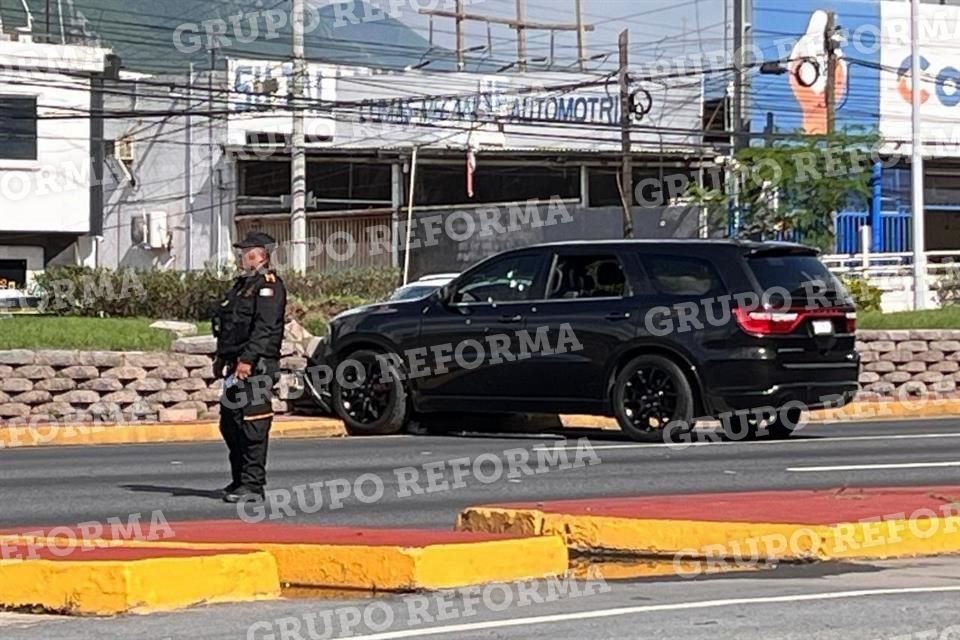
792	188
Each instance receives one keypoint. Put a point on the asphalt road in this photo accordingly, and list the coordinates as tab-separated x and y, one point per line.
60	485
904	599
914	600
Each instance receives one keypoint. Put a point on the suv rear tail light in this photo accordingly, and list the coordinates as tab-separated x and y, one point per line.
851	324
765	323
778	323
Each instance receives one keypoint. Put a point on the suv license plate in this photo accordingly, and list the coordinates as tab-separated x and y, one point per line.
822	327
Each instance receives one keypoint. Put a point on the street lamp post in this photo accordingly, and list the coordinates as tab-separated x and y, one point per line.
916	166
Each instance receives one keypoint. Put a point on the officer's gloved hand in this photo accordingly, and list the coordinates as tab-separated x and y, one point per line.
218	366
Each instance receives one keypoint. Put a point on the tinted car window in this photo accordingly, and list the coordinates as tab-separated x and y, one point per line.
505	280
682	276
594	276
801	276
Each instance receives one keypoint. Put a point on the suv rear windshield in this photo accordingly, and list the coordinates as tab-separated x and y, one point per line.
803	276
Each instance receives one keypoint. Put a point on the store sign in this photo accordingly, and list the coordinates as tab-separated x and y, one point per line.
359	107
790	34
580	108
940	88
541	110
257	85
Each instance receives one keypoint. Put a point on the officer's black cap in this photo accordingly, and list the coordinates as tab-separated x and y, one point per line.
256	239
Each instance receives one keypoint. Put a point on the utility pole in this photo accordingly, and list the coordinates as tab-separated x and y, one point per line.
298	169
830	46
520	24
581	38
916	166
461	46
739	64
188	170
521	37
626	109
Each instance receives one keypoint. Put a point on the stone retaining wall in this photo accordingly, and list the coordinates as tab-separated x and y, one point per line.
50	385
82	385
903	363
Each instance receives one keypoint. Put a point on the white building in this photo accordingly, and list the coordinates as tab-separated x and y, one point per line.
50	155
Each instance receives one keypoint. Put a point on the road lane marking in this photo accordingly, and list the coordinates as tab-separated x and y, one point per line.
868	467
815	440
23	620
625	611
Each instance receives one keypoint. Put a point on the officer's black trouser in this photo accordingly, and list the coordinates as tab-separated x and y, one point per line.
246	414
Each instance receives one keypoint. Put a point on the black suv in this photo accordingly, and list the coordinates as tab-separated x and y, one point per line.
656	333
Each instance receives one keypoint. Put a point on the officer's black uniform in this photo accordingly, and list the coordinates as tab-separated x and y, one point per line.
249	328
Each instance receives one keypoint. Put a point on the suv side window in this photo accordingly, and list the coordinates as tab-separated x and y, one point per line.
682	276
509	279
586	276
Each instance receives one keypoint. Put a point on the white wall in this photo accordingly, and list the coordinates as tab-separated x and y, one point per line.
51	193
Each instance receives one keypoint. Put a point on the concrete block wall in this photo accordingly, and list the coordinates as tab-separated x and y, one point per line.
83	385
908	363
49	385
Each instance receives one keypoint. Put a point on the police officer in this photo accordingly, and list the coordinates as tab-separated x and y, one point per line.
249	329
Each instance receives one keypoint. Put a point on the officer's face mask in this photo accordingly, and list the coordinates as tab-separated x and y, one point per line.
251	260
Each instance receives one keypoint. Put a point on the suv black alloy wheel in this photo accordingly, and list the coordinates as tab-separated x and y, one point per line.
373	399
651	392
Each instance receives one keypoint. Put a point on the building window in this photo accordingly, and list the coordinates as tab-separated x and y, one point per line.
333	186
653	187
18	128
444	184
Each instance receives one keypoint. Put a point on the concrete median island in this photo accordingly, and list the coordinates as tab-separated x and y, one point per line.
396	560
755	526
113	580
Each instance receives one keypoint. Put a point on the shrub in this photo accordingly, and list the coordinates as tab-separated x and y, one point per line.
82	291
370	284
948	287
865	295
315	314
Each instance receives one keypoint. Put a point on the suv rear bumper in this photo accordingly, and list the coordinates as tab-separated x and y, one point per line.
812	395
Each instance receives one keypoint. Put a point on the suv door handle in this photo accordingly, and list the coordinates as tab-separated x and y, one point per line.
508	318
618	316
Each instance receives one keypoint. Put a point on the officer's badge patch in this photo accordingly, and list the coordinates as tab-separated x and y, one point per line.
266	292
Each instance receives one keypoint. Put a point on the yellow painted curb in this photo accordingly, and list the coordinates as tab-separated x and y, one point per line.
92	434
110	587
632	536
54	434
388	568
585	568
455	565
697	539
855	411
886	410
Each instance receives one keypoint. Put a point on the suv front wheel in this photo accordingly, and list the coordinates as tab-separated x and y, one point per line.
652	399
369	395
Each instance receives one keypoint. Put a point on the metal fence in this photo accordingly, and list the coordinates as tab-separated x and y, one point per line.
334	242
895	232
